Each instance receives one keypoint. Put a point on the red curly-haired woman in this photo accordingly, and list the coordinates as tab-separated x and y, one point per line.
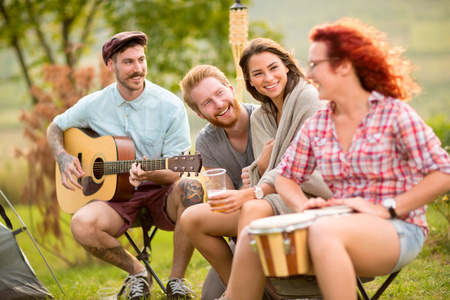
375	154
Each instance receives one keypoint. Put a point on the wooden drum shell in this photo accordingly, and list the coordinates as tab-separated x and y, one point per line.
281	243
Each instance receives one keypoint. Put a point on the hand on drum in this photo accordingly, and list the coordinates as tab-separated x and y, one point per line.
316	203
227	201
363	206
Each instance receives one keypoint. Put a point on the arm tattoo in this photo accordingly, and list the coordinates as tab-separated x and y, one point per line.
55	139
63	160
116	256
191	192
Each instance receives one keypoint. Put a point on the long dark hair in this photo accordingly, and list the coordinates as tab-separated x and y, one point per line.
260	45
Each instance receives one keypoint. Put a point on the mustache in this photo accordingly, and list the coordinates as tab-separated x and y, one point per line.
137	74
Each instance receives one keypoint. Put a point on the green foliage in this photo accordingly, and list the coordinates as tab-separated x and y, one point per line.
181	34
442	205
441	126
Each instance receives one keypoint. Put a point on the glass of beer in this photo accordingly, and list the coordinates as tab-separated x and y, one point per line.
215	182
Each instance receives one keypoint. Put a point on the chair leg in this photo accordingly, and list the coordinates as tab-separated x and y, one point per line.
144	255
361	289
385	285
380	291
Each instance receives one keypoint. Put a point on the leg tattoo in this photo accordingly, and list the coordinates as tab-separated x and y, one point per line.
116	256
191	192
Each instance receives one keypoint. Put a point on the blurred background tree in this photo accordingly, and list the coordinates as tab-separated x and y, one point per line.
46	32
65	32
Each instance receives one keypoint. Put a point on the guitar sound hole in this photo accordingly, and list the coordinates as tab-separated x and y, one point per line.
98	171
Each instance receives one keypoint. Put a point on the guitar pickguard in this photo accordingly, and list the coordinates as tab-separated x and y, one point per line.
90	187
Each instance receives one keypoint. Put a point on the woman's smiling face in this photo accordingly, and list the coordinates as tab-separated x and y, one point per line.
320	71
268	75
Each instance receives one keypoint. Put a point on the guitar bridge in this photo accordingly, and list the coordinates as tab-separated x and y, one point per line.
80	156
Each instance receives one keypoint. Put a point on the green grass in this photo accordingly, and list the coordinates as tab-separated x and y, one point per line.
86	275
427	277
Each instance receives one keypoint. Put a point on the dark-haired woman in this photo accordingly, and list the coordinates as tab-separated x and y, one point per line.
287	99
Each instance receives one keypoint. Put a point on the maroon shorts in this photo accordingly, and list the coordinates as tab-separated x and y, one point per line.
150	195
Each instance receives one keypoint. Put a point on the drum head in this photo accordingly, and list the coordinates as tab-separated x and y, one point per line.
281	222
330	210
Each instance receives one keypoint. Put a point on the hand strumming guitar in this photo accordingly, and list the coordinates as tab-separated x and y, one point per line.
68	164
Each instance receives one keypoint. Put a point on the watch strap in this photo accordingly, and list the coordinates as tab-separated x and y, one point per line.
393	213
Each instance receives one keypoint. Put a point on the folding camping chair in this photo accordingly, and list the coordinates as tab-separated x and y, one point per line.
380	290
144	220
305	287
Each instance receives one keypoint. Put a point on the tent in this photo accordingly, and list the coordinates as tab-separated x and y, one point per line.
17	278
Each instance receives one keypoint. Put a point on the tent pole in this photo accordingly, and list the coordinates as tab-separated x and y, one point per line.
29	234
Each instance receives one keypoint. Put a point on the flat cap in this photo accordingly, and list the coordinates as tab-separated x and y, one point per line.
117	41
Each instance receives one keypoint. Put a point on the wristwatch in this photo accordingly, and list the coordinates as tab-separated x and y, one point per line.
259	194
390	205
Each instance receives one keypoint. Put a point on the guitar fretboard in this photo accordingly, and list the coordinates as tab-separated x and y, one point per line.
124	166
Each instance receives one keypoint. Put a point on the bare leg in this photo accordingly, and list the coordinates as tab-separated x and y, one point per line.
185	193
207	229
247	278
344	247
94	226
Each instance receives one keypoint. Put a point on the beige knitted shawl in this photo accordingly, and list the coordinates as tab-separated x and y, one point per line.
298	106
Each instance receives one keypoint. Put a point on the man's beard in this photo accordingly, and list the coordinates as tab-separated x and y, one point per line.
237	108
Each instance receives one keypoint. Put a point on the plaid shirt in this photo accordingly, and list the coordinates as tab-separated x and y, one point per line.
391	151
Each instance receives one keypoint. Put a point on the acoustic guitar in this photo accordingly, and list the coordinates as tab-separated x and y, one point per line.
107	161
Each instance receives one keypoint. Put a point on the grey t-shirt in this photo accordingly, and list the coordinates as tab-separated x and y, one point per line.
217	152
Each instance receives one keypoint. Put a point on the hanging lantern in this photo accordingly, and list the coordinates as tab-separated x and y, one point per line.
238	37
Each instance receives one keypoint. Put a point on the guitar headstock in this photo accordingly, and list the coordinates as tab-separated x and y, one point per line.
185	164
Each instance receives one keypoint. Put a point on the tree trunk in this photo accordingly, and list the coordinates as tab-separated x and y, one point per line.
14	40
40	34
87	28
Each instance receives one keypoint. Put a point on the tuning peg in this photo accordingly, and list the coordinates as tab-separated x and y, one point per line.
196	174
188	174
181	174
182	152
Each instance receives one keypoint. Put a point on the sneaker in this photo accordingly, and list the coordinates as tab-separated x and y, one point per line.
179	289
136	287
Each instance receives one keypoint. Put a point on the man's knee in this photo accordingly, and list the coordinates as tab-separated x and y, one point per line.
81	225
191	190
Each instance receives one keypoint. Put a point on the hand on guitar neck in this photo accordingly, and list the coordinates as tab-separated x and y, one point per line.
139	173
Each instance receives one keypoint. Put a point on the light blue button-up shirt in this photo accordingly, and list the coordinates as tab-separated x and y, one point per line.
156	121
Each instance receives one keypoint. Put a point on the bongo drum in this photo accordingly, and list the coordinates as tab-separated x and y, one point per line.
281	242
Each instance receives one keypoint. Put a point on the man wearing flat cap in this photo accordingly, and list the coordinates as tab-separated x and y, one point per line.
156	121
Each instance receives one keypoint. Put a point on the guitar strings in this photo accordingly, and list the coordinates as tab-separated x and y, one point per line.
127	163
